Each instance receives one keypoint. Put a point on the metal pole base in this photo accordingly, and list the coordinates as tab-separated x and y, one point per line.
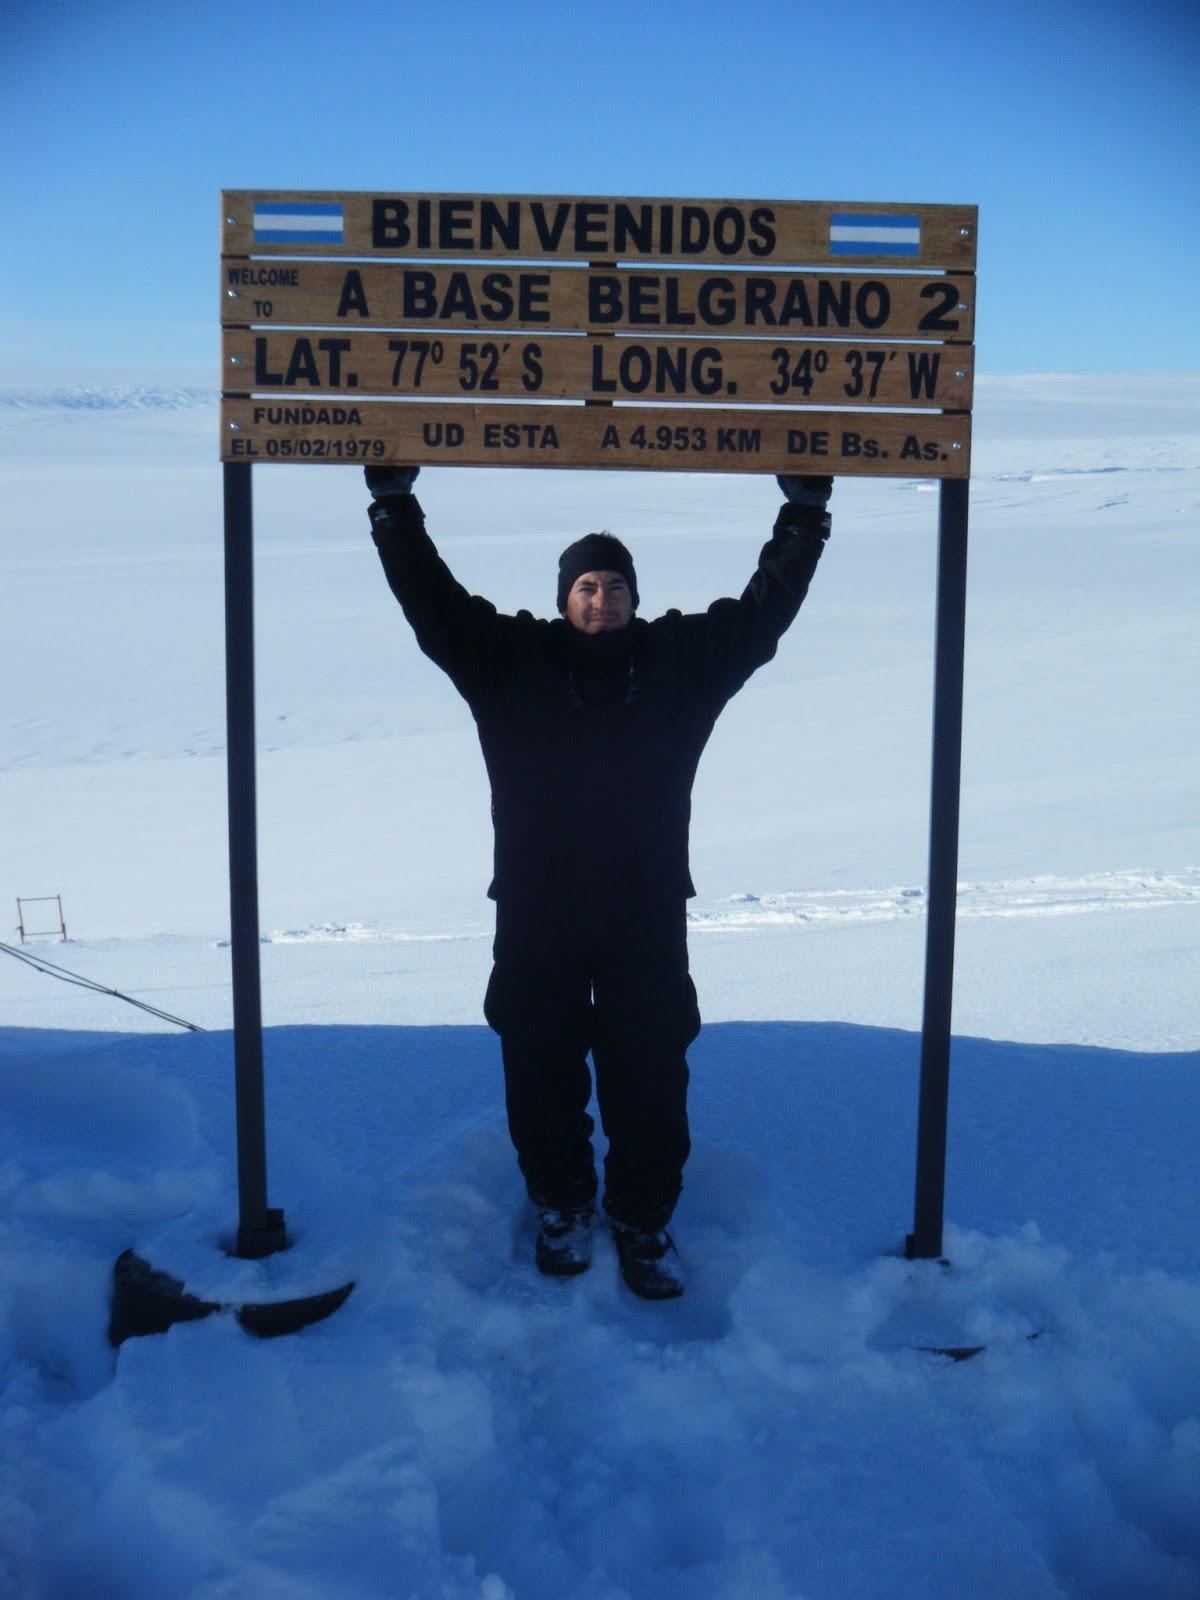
255	1243
914	1250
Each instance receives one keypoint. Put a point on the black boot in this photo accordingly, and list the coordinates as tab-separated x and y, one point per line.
564	1241
650	1263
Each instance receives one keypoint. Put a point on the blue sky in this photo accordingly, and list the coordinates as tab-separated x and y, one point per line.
1075	127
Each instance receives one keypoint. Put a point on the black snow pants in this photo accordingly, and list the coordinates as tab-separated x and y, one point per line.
592	972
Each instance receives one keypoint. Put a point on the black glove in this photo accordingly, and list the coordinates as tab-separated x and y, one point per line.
390	482
802	491
394	510
804	519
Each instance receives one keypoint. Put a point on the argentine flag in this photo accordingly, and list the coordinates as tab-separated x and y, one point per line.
858	234
297	222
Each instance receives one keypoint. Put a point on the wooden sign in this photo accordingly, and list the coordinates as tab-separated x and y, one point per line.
558	367
882	444
681	335
463	227
314	294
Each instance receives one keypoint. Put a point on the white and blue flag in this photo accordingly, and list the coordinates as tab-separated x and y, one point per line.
859	234
298	222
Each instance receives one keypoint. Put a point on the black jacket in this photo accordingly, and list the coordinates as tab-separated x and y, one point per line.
593	740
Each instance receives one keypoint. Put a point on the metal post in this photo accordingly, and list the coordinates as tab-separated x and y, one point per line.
925	1241
260	1229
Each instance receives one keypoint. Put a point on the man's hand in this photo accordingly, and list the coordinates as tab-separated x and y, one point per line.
393	511
803	491
804	520
391	482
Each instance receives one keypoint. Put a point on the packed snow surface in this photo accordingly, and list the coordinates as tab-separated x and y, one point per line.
463	1429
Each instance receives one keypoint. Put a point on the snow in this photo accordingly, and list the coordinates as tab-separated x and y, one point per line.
462	1427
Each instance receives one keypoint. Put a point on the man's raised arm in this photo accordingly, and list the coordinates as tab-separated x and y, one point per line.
736	637
452	626
789	559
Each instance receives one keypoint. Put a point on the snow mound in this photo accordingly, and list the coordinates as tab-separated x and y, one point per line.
465	1428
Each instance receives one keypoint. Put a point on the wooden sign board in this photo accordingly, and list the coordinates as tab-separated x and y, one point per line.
882	443
835	337
463	227
558	367
323	294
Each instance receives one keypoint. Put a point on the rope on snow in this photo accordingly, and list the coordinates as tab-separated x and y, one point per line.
40	964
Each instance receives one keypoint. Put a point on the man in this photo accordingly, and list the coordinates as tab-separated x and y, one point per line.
592	726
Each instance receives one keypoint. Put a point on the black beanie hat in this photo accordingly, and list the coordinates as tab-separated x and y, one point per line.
595	552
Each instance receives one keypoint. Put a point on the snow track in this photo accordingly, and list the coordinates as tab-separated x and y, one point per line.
1044	896
1048	895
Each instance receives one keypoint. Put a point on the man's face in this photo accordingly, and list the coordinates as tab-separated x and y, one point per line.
599	602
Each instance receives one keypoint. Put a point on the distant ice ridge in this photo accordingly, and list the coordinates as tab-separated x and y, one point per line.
1052	474
352	932
129	397
1045	896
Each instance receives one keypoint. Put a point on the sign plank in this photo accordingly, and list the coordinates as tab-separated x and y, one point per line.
557	367
464	226
881	444
791	305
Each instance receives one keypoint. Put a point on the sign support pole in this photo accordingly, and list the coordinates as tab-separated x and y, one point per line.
260	1229
925	1241
145	1299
